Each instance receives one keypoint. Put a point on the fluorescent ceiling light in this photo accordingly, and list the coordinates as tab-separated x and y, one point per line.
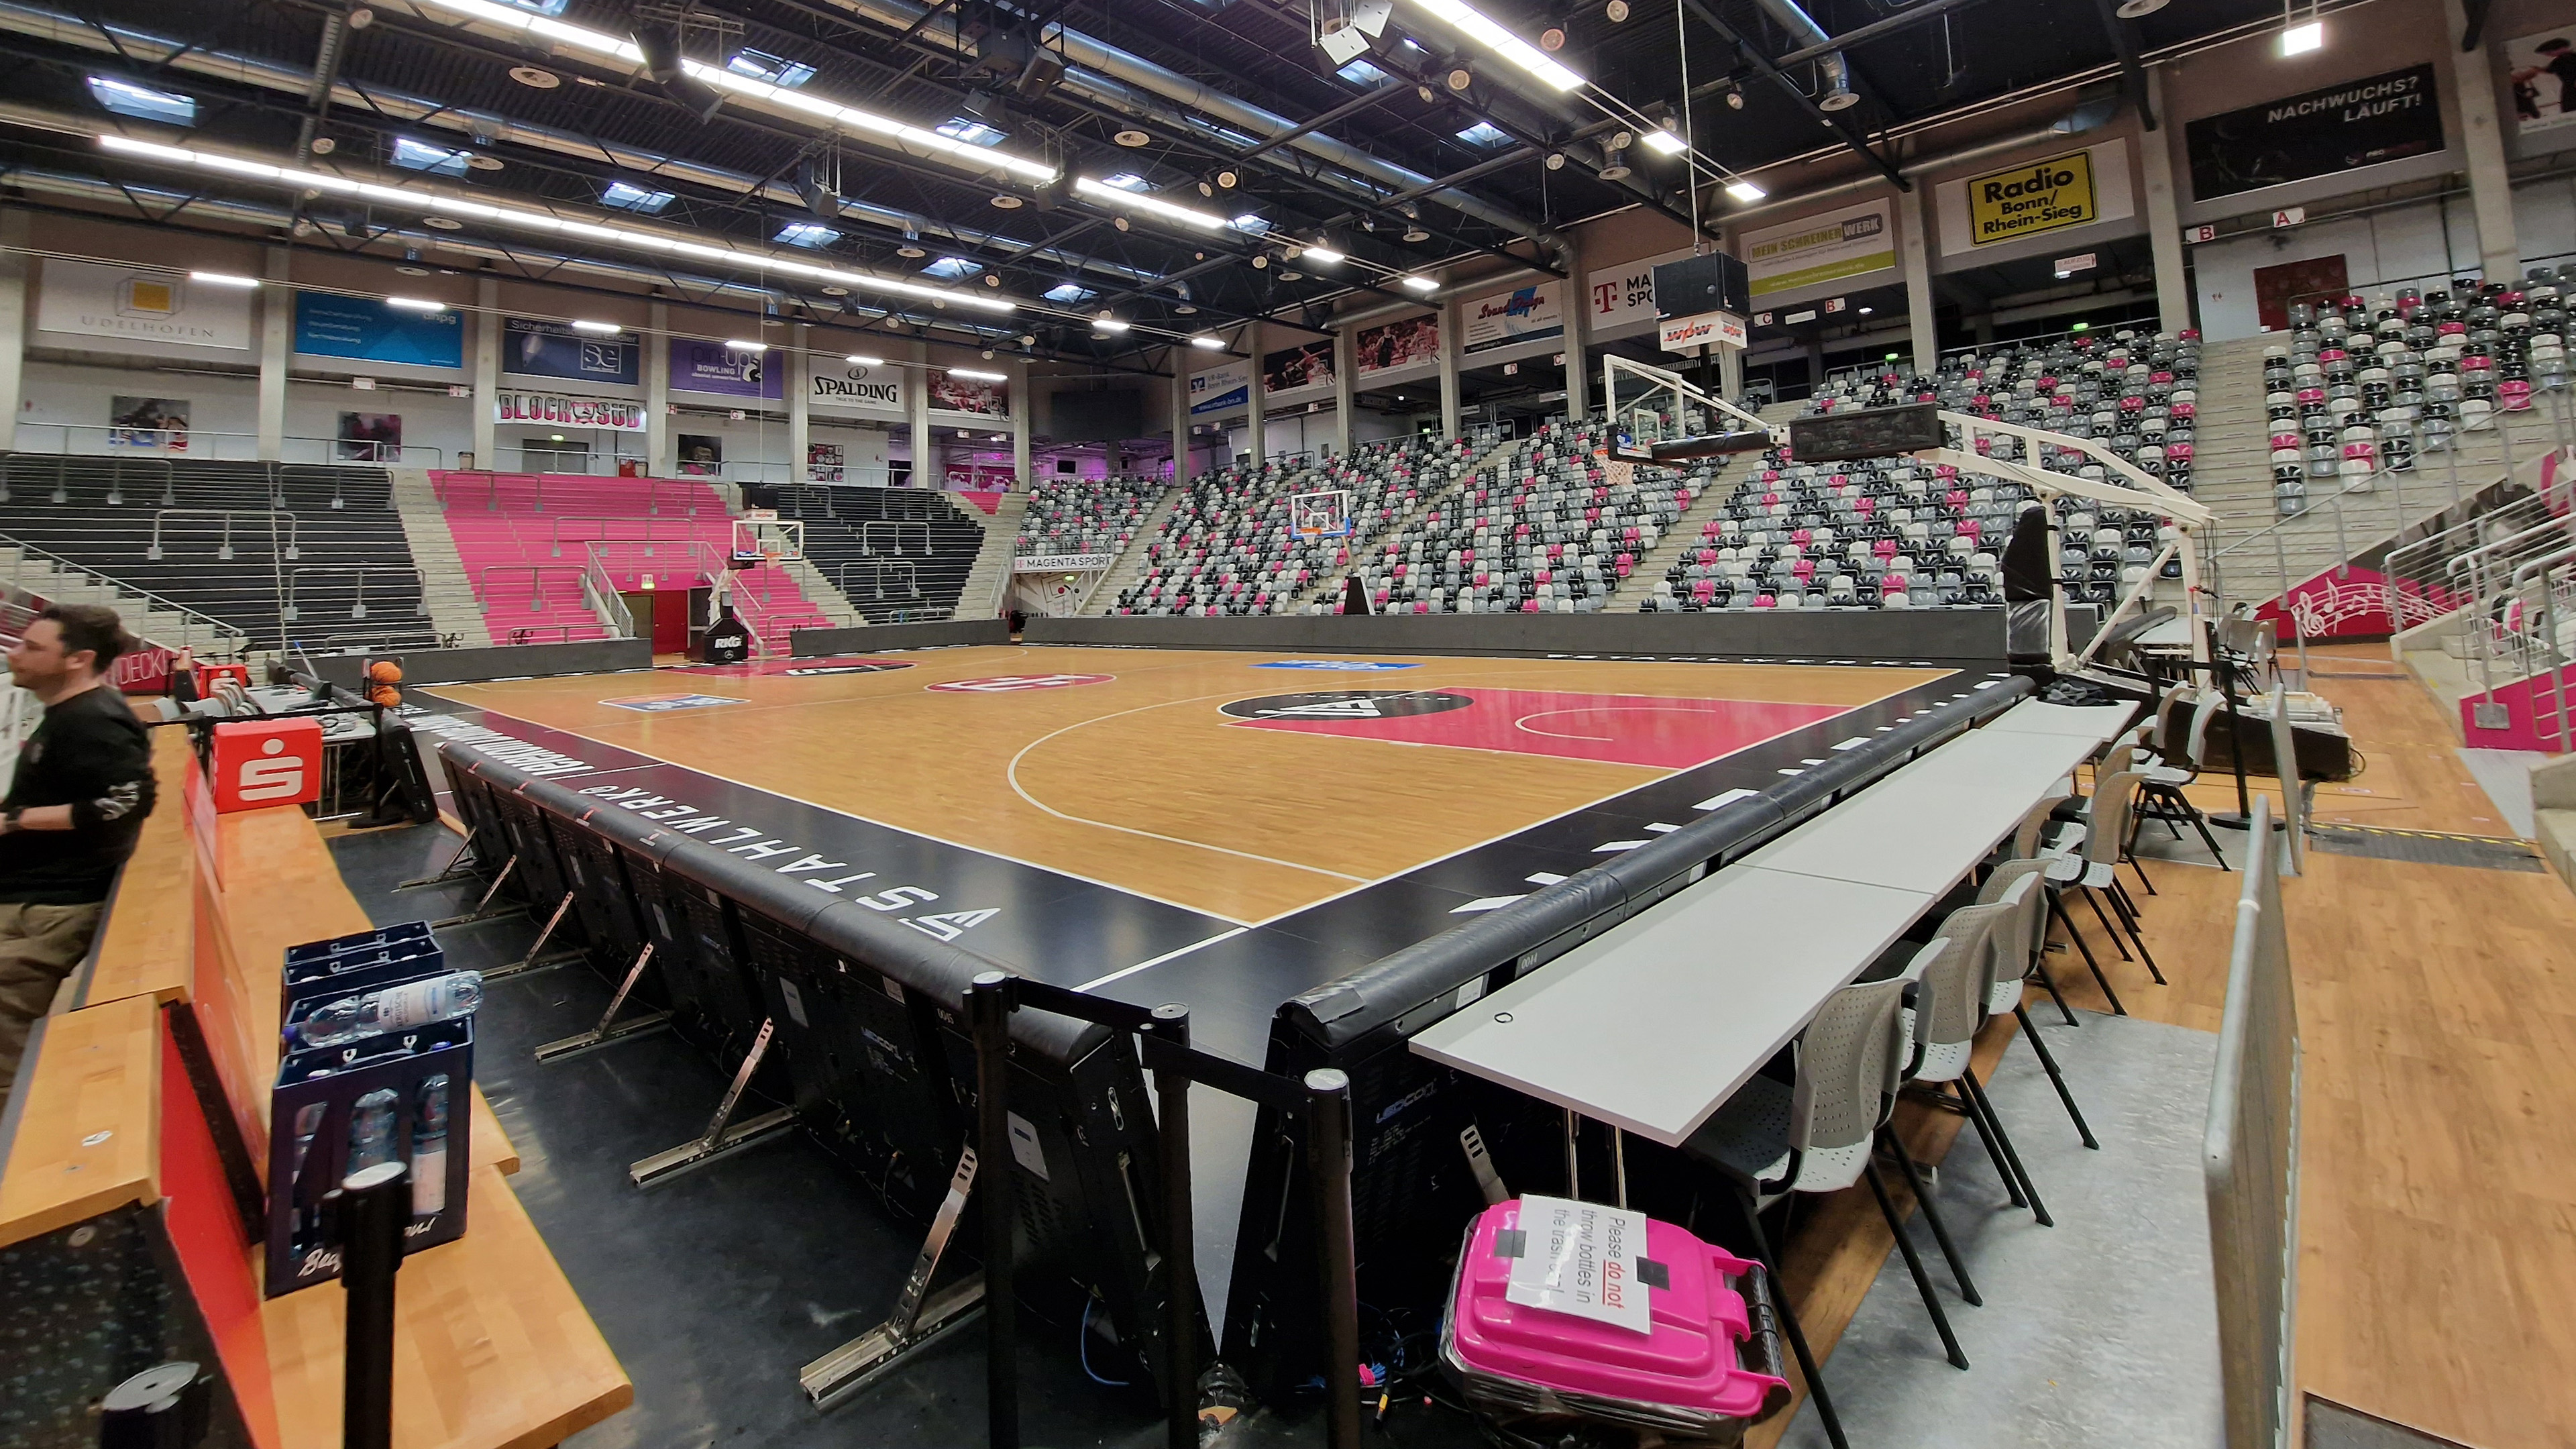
849	119
1422	284
1124	199
1467	20
222	279
744	344
1206	341
2300	39
863	360
968	372
604	328
1665	143
1326	255
450	204
1109	324
1745	191
416	304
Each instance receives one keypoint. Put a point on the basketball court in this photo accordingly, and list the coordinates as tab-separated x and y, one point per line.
1089	814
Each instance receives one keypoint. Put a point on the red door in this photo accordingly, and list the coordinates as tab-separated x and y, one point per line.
2316	280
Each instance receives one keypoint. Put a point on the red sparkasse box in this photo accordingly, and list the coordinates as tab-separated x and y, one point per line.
260	763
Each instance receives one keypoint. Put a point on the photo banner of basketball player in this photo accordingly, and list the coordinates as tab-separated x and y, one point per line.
2379	118
370	438
148	422
953	394
555	349
1405	343
88	299
2542	70
1504	319
1297	369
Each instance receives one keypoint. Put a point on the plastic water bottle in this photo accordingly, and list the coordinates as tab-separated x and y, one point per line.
395	1008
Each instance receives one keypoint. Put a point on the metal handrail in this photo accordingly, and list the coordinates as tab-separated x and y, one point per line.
398	454
687	535
653	487
868	535
188	617
481	581
294	531
288	608
883	567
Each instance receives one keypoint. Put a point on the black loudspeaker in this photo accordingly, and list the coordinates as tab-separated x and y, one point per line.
1713	283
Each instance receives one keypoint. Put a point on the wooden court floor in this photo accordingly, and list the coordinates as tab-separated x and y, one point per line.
1123	766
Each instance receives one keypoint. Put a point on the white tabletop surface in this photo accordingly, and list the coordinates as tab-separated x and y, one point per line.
2037	717
1652	1025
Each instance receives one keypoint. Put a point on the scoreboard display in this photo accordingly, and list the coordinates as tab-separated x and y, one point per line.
1849	437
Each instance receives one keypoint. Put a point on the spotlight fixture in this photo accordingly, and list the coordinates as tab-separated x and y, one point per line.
1460	77
1028	339
1186	310
1614	164
836	291
1745	191
2302	38
1005	201
323	146
1617	10
1426	95
442	223
1552	39
911	246
1413	232
2138	9
360	17
605	329
222	279
1121	223
986	354
1131	138
1735	98
534	78
1227	178
1555	161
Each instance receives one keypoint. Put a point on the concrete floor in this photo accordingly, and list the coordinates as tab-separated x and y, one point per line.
2100	1330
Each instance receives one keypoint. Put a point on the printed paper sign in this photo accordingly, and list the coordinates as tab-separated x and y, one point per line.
1584	1259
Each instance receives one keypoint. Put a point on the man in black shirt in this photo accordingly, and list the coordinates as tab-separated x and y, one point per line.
82	787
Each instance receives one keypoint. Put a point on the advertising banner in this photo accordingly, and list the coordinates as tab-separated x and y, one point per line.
727	371
1524	314
858	385
1221	389
2385	117
568	412
1062	563
2543	70
556	349
953	394
1392	345
1307	365
92	300
148	422
1850	242
1708	329
2033	198
1624	295
369	331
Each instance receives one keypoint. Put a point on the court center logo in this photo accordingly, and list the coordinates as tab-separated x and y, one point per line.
860	666
1347	704
1355	666
662	703
1016	683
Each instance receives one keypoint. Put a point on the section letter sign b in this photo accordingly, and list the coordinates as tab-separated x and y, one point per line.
260	763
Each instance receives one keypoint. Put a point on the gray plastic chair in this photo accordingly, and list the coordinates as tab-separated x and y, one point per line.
2094	870
2021	889
1816	1134
2161	781
1953	986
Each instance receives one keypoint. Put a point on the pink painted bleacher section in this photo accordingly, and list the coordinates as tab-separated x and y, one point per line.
497	523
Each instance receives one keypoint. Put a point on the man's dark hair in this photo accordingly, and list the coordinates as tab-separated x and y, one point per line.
93	627
2551	47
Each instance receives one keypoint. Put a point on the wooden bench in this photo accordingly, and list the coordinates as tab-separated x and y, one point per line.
493	1349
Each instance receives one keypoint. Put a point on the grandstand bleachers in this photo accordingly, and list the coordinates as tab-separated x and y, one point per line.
1086	515
895	553
308	554
526	539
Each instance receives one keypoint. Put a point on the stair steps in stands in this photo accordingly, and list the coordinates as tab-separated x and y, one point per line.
445	592
1330	591
1131	559
142	618
988	580
1684	535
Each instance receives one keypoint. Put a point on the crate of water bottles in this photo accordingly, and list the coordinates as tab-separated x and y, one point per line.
376	1065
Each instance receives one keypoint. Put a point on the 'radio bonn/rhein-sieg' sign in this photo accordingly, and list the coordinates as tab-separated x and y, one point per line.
2029	199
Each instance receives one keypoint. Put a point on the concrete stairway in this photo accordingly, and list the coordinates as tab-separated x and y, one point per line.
158	623
1682	537
447	595
982	595
1130	564
821	592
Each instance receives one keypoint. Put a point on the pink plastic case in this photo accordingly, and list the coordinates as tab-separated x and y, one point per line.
1710	1367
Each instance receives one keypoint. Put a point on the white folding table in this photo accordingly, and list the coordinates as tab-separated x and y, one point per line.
1652	1025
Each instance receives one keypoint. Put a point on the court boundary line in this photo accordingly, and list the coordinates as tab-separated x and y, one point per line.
1175	954
1944	675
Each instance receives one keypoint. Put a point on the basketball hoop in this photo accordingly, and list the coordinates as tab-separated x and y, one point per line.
1322	514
